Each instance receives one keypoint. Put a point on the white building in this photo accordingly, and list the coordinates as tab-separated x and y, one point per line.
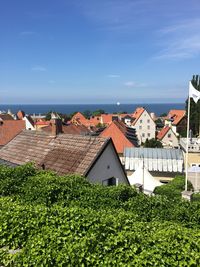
144	125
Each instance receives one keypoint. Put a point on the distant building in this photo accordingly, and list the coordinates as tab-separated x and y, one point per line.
92	157
144	125
168	138
193	160
163	163
121	135
69	129
9	129
193	150
176	119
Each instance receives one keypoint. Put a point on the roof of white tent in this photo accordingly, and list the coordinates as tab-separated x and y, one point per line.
149	181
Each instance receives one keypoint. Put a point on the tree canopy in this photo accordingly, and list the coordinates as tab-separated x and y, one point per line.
194	108
152	143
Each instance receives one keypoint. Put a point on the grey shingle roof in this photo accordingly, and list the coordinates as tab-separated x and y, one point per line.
64	153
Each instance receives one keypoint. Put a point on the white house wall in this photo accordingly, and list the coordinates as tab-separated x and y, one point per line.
171	141
29	126
145	127
107	166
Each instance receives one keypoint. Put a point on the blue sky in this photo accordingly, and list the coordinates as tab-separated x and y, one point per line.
92	51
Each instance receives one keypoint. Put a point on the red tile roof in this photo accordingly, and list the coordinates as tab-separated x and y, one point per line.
9	129
176	115
138	112
163	132
107	118
69	129
95	120
42	122
117	130
5	117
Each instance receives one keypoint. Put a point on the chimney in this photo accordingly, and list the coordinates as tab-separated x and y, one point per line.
56	124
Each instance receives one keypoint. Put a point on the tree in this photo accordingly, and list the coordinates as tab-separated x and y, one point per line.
87	114
152	143
98	112
63	117
194	108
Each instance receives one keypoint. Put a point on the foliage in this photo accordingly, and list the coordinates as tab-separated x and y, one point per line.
163	115
152	143
194	108
66	221
12	179
174	188
63	117
87	114
159	123
196	197
98	112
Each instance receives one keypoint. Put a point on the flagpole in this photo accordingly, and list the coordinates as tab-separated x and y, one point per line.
187	143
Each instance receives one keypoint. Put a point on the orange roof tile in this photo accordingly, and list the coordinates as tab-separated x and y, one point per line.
176	115
138	112
69	129
107	118
42	123
163	132
9	129
116	130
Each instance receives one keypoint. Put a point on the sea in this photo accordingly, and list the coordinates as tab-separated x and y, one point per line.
158	109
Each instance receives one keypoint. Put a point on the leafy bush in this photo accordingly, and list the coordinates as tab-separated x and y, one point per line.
196	197
174	188
11	179
66	221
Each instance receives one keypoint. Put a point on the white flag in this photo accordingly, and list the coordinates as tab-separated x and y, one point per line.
194	93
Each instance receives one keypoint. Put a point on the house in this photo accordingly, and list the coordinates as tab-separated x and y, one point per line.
162	163
9	129
193	159
28	120
193	150
143	124
121	135
69	129
177	120
6	117
167	137
93	157
127	119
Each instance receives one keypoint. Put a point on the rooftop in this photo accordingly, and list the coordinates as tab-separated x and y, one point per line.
64	153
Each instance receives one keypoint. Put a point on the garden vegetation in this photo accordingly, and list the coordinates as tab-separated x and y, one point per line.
49	220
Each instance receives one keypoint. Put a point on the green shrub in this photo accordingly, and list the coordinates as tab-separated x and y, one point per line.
66	221
196	197
173	189
11	179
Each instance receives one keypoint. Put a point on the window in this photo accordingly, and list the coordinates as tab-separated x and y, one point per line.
169	135
143	135
148	121
140	121
148	134
140	127
148	127
110	181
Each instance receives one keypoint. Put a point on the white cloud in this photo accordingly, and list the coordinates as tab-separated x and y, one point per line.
113	76
179	41
133	84
38	68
